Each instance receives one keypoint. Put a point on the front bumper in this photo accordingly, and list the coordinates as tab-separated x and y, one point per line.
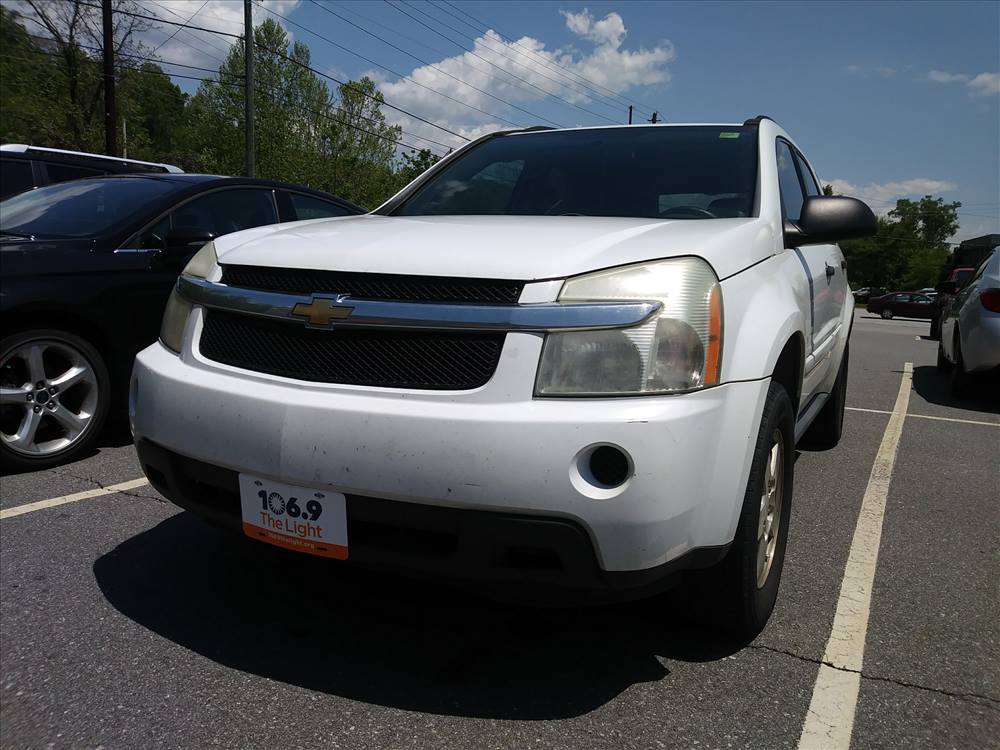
495	449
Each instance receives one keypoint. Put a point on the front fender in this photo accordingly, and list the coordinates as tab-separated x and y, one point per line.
764	306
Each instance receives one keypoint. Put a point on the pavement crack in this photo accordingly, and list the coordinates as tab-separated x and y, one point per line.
977	698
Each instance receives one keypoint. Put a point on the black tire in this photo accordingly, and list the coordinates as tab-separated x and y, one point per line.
746	606
98	397
943	364
825	431
886	314
935	328
959	377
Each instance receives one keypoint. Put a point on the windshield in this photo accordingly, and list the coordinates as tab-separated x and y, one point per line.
696	172
80	208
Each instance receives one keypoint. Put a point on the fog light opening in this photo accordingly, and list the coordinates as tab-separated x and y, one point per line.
609	466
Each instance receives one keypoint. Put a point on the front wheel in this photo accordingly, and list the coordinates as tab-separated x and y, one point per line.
747	580
887	315
54	389
959	377
943	364
935	328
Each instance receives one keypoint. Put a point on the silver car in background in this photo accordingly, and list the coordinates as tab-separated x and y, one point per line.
970	327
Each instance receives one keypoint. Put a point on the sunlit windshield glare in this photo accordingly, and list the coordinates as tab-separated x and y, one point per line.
695	172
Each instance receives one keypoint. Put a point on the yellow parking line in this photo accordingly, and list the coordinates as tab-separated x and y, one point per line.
830	719
85	495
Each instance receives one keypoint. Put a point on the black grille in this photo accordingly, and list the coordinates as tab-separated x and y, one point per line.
374	285
387	358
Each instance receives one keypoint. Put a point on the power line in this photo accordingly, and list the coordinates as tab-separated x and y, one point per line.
402	75
179	28
139	58
484	25
298	63
200	40
501	52
472	52
12	56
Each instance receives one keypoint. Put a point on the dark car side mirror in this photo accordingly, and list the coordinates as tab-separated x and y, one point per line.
830	218
947	287
182	242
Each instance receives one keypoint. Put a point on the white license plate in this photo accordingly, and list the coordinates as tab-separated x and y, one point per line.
304	519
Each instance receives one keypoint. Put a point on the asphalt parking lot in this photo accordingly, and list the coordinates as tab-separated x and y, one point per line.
126	623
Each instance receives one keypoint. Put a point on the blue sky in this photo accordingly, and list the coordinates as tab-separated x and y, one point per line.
887	99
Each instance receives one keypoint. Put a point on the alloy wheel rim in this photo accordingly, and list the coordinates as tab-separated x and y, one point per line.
48	397
769	515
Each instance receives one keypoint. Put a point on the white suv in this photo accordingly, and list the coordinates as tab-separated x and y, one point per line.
560	358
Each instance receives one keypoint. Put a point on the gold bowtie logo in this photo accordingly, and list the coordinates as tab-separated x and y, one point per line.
322	311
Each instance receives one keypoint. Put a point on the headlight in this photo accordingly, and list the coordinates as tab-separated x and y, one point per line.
678	350
179	309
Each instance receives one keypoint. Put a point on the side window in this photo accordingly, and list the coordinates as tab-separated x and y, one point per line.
225	211
901	298
788	182
15	176
63	172
922	300
812	188
310	207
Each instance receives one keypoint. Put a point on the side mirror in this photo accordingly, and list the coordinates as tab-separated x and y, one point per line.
947	287
182	242
830	218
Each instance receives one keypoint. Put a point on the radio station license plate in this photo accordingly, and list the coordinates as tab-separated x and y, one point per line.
304	519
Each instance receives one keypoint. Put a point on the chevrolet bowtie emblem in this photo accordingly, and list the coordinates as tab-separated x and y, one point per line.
322	310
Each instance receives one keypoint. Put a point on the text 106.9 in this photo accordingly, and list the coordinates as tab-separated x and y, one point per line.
275	503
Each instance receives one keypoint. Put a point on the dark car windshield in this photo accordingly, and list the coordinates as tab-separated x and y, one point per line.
686	172
81	208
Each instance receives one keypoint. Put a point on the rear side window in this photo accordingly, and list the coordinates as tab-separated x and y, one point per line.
788	181
64	172
15	176
309	207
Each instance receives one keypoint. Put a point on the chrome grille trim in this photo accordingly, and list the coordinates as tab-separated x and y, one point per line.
536	317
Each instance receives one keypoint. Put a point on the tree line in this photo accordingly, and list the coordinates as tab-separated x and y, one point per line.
52	94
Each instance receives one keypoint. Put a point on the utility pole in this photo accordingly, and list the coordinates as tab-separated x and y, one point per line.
655	118
630	114
110	114
248	45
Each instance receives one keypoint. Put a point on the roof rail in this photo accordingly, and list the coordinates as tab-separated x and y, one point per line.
21	148
755	121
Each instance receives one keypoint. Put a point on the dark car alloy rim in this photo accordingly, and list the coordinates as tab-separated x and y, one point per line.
48	397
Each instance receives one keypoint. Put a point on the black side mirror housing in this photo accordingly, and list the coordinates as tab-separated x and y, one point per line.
947	287
183	242
830	218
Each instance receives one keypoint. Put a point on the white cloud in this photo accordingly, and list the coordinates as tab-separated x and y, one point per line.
203	48
491	72
610	30
983	84
941	76
882	196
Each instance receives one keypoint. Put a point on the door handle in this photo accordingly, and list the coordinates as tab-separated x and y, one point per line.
830	270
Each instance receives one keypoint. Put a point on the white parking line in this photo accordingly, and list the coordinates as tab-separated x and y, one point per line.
830	719
926	416
85	495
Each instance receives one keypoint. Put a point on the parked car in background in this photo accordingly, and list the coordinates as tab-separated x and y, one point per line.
24	167
866	293
575	359
87	267
970	327
902	304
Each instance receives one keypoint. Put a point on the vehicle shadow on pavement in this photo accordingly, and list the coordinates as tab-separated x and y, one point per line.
372	636
114	435
983	392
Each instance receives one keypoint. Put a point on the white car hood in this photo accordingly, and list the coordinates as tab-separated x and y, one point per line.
500	247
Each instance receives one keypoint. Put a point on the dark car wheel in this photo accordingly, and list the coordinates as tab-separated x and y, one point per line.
746	582
943	364
935	328
54	390
825	431
887	315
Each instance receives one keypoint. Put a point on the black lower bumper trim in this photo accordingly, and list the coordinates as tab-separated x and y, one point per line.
455	543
